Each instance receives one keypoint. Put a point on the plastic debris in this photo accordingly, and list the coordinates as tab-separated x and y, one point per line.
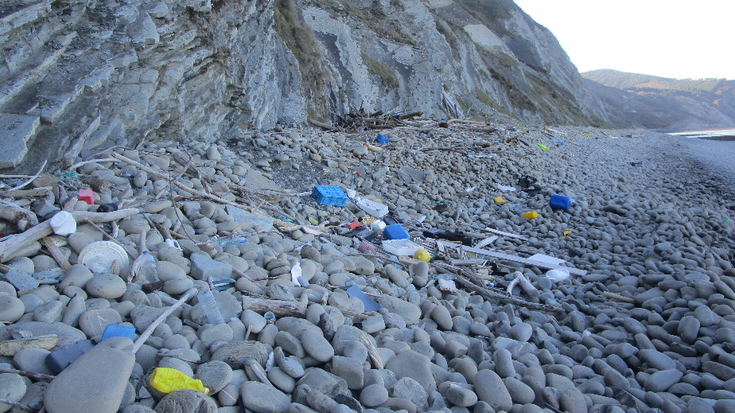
370	304
558	274
100	256
506	188
422	255
63	223
530	214
168	380
295	274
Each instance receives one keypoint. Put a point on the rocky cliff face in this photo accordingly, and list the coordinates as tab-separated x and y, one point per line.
81	75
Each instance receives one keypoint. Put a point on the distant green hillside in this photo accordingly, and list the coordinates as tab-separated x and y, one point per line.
637	83
662	103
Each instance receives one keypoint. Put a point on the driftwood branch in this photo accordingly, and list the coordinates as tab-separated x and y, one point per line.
16	404
21	217
10	347
280	308
27	193
56	253
31	178
492	295
13	244
471	282
35	376
148	331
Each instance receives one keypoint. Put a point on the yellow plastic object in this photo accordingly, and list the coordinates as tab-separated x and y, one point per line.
567	232
499	200
542	146
530	214
313	221
167	380
422	255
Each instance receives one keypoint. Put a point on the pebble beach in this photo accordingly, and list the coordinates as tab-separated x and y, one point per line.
317	318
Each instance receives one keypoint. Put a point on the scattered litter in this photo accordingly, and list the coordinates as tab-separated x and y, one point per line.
370	304
542	146
329	195
558	274
113	330
401	247
422	255
373	208
559	202
446	285
100	256
296	274
499	200
530	214
86	195
506	188
168	380
63	223
394	232
382	139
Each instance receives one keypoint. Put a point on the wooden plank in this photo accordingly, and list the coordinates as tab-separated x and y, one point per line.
10	347
505	234
56	253
522	260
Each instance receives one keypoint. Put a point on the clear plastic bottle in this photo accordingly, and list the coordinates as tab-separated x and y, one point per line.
209	306
147	270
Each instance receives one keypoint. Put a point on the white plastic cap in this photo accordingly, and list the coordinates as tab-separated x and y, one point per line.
63	223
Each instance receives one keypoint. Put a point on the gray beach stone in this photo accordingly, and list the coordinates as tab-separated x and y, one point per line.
12	388
491	390
186	401
262	398
99	377
215	375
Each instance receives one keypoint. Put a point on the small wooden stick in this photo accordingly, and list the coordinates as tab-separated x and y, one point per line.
232	234
127	249
77	165
148	331
16	404
37	376
31	178
618	297
247	333
56	253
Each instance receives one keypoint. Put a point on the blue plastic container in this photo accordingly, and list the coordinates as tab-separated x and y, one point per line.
329	195
60	359
559	202
395	231
113	330
382	139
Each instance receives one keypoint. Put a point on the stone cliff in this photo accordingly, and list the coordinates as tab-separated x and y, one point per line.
82	75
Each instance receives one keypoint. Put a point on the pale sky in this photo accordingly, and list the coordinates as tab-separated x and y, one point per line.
675	38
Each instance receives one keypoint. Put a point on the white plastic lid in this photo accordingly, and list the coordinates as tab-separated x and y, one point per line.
99	256
63	223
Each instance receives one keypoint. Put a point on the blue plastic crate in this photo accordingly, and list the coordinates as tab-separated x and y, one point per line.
329	195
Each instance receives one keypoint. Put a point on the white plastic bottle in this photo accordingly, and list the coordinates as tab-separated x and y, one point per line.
209	306
147	269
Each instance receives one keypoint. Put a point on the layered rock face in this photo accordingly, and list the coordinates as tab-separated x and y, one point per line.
82	75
